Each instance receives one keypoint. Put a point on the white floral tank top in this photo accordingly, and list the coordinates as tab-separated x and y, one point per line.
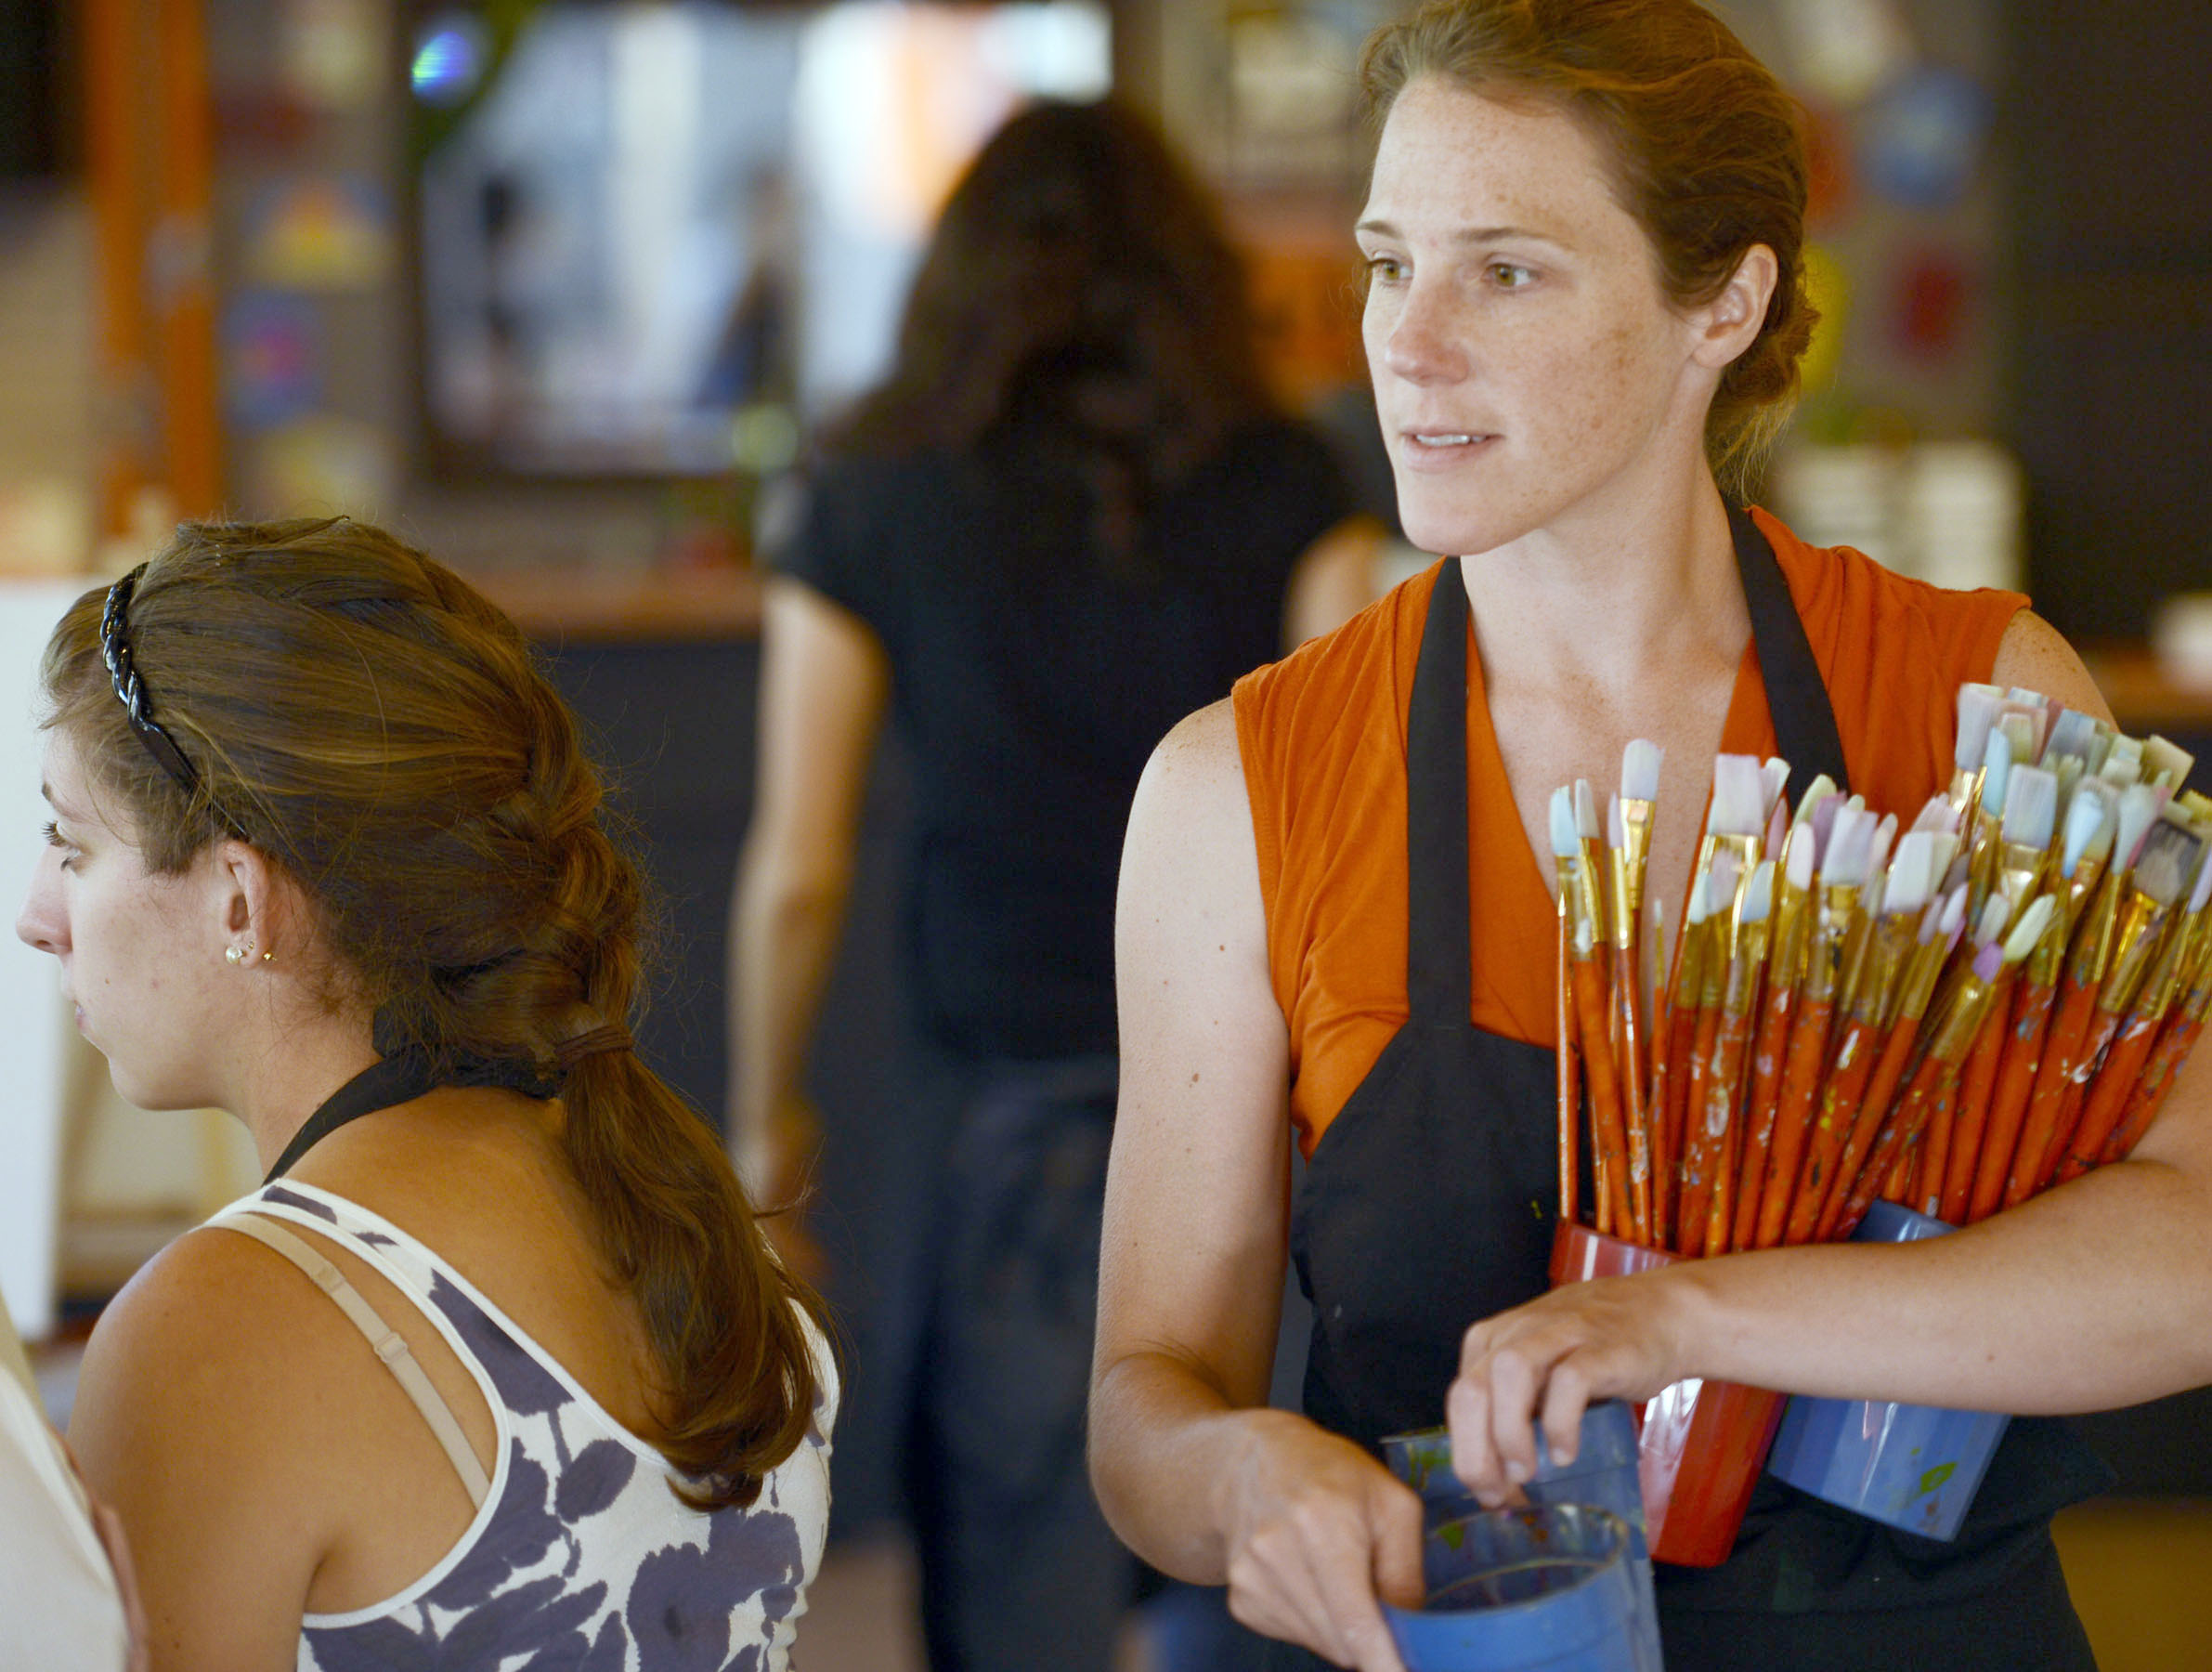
579	1559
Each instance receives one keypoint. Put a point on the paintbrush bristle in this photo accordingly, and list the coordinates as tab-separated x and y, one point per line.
2138	811
1936	813
1877	850
1774	778
2123	763
1586	824
2161	757
2089	812
1932	921
1954	913
1911	876
1844	864
2073	733
1978	706
1640	770
1758	895
1778	827
1798	853
2201	890
1945	847
1566	839
1616	824
2023	733
1996	913
1738	796
2167	862
1820	789
2031	807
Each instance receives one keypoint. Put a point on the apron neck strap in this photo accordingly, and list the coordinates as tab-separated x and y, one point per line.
1805	731
1439	956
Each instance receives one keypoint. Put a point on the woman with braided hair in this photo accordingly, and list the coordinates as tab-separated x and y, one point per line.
325	853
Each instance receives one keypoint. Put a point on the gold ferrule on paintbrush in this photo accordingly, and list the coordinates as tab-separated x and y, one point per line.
1966	795
2136	947
1873	995
1984	860
1746	852
2092	952
1791	940
2174	959
1620	897
1589	931
1635	823
1831	914
2019	877
1921	973
1745	967
1962	1020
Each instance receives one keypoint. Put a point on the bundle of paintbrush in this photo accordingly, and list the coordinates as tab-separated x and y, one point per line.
1953	1017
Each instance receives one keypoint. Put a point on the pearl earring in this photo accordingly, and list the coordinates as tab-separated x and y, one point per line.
236	955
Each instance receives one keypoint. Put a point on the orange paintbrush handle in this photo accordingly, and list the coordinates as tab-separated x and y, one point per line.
1934	1083
2016	1077
2104	1028
1954	1186
2046	1107
1571	1082
1609	1137
1628	1028
1793	1118
1919	1179
1866	1125
1670	1105
2108	1096
1770	1052
1707	1151
1838	1113
2157	1079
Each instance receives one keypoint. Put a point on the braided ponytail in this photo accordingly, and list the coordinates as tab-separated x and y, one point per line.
376	726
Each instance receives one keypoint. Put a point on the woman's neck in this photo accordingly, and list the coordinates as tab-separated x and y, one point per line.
1608	598
286	1076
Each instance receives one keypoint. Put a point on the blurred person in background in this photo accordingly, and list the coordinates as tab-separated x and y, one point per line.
1072	510
496	1363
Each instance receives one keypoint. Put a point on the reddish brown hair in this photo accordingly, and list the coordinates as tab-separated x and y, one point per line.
383	734
1706	149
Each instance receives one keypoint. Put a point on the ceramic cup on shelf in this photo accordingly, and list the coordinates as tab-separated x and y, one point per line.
1912	1467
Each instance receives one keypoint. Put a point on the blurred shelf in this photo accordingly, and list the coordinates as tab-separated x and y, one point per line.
2143	696
579	605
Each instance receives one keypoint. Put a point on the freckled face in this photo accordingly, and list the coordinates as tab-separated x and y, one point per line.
1527	364
141	955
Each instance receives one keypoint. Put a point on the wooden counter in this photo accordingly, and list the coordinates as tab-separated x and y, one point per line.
582	606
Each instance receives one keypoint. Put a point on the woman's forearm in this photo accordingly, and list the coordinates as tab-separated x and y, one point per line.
2092	1296
1162	1442
784	932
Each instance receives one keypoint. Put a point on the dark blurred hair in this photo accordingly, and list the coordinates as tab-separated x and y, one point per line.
1706	151
375	725
1078	286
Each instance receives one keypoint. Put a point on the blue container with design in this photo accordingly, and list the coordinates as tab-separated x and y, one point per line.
1603	1474
1915	1467
1542	1588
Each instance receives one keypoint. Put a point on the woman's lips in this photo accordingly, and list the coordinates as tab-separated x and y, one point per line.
1433	449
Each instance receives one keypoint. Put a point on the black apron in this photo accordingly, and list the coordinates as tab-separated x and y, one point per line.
1431	1200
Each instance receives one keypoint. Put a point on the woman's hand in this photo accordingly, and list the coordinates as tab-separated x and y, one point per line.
1616	1338
1316	1531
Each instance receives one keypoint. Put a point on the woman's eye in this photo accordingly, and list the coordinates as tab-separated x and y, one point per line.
1509	275
55	839
1387	269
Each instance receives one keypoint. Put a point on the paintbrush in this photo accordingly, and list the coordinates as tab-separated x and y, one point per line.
1707	1209
2100	984
1563	1016
1936	1077
1872	1054
1631	1066
1978	709
2174	1045
2107	1099
1790	945
1834	914
1670	1074
2023	850
1722	896
1586	976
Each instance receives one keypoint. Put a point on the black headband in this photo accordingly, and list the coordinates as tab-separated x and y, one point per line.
115	650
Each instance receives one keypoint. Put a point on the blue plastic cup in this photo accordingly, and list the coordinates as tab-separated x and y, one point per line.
1915	1467
1604	1475
1545	1588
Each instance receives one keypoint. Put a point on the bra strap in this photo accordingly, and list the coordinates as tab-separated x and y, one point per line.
383	1340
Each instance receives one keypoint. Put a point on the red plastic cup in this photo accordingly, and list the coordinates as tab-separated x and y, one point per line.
1702	1442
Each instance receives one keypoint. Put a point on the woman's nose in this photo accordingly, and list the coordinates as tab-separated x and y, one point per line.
1423	343
42	923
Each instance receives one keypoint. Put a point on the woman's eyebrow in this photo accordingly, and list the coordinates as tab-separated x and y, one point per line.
1466	235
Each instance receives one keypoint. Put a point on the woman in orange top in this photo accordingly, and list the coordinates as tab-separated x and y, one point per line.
1585	240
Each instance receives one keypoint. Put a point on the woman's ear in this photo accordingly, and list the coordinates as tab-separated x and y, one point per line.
1730	322
254	899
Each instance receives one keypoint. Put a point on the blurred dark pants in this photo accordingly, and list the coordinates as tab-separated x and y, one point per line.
1019	1569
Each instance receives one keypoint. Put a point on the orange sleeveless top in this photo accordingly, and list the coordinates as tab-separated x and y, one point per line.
1323	737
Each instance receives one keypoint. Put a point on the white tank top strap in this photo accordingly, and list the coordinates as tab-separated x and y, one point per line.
386	1342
